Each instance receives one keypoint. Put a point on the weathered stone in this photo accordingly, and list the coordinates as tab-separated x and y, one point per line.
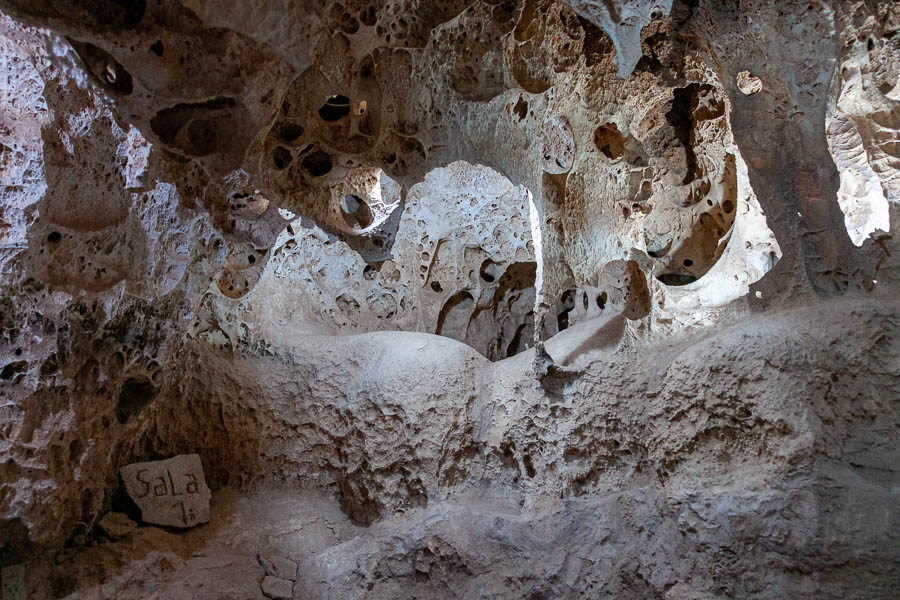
236	227
116	525
13	582
277	588
169	492
624	289
279	566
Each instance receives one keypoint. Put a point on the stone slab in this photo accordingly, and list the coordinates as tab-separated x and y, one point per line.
279	566
277	588
170	492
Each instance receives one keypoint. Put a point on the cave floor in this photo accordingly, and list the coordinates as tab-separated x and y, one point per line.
222	559
217	560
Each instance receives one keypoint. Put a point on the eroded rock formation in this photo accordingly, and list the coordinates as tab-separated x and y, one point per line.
469	298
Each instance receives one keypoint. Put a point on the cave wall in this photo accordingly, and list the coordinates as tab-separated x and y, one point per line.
200	199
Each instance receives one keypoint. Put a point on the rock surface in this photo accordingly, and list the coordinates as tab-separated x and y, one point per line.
277	589
116	525
169	492
469	298
12	582
279	566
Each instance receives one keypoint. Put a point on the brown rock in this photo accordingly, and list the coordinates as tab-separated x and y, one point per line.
13	582
116	525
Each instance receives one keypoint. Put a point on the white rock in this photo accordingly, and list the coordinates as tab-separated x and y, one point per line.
169	492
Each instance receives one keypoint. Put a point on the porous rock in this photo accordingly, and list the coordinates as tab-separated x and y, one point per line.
513	299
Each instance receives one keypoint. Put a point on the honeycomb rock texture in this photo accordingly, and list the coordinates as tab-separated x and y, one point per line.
453	298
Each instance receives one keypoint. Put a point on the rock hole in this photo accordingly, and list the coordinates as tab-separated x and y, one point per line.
335	108
104	67
367	16
289	132
157	48
281	157
137	392
356	212
521	108
609	141
357	503
75	449
202	137
251	259
367	67
454	315
436	287
54	237
524	332
529	466
206	124
676	279
688	262
601	300
134	10
489	271
681	119
12	370
514	345
317	163
568	302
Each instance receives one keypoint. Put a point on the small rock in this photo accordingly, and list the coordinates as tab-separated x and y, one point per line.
277	588
116	525
279	566
13	577
169	492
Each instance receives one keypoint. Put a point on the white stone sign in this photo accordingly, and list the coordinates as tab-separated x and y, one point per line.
169	492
